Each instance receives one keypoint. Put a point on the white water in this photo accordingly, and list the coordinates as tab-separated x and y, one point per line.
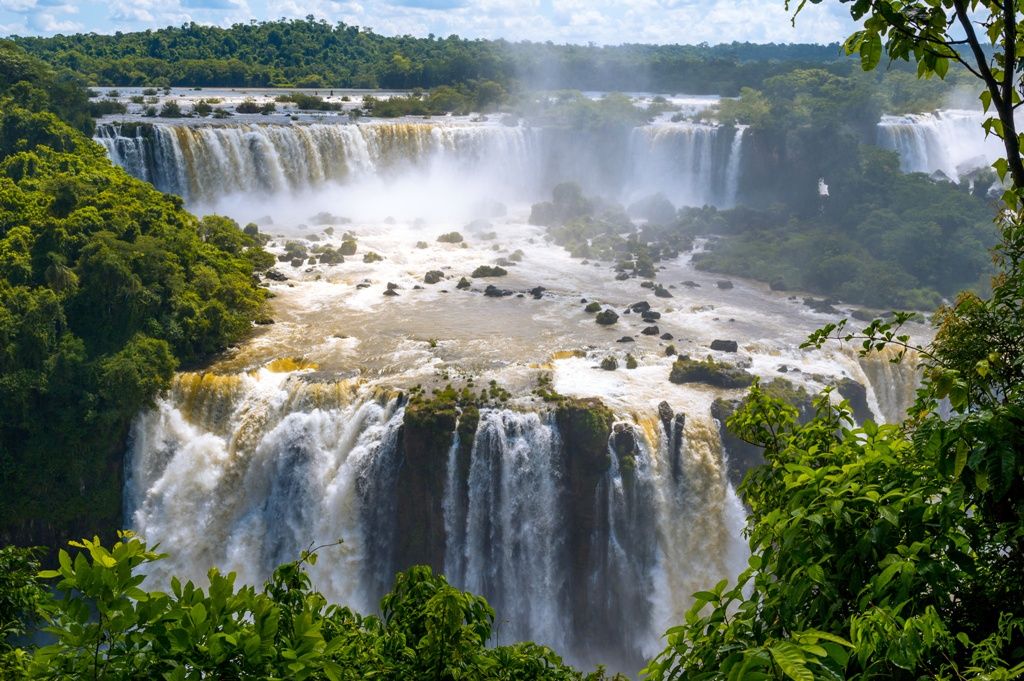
244	467
244	472
950	141
687	162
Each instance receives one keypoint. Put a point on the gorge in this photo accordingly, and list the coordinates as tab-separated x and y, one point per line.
588	518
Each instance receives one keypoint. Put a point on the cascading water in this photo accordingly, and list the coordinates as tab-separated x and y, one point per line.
244	472
692	164
510	539
951	141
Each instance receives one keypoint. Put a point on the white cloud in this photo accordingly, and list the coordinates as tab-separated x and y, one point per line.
46	22
17	5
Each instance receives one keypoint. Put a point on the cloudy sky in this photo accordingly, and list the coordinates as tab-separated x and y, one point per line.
577	21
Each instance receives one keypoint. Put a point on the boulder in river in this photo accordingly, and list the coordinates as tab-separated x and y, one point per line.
724	284
725	345
433	276
607	317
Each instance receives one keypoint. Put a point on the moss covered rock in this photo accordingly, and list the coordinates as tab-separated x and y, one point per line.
718	374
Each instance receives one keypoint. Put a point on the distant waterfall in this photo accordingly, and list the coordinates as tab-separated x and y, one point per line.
243	472
732	170
692	164
952	142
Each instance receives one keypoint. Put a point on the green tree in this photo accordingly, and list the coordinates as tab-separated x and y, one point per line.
937	33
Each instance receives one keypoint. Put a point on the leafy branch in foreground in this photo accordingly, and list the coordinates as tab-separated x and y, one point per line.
106	626
887	551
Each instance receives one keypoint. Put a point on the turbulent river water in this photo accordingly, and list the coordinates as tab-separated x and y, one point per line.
299	435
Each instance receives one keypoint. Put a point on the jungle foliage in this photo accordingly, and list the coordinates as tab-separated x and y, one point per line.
106	286
313	53
881	237
105	626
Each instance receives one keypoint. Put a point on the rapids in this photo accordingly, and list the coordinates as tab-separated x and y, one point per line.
299	436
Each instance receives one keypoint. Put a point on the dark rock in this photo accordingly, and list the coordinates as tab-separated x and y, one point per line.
821	306
592	307
347	247
463	283
391	292
642	306
607	317
372	257
493	291
392	286
297	262
651	331
626	339
422	244
647	284
537	292
724	284
691	284
623	440
651	316
451	238
622	276
433	276
857	395
665	413
725	345
417	287
661	292
609	363
275	275
666	336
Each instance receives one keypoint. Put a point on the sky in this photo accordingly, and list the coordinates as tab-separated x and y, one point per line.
605	22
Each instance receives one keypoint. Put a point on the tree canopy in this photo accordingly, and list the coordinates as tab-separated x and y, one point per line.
106	286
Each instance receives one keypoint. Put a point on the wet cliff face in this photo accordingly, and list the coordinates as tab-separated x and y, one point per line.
80	499
691	164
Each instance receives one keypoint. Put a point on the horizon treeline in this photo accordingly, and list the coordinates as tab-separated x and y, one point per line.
316	54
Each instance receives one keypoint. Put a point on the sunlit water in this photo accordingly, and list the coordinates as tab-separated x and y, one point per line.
294	436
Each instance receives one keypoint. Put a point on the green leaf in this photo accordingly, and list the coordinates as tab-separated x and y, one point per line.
791	661
871	51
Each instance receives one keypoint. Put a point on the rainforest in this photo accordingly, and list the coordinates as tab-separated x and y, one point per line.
331	354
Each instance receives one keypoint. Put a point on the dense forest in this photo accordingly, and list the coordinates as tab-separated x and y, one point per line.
106	286
311	53
881	238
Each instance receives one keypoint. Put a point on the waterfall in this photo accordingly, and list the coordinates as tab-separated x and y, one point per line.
515	527
951	142
689	163
243	472
732	171
893	385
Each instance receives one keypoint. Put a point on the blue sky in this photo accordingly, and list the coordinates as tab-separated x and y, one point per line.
578	21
